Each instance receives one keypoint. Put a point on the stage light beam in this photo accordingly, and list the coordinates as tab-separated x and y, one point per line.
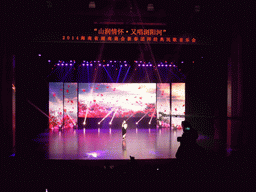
141	118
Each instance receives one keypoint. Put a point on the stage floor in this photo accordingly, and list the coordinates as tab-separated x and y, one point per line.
106	143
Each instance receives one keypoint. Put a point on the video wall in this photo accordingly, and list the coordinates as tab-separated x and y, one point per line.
70	101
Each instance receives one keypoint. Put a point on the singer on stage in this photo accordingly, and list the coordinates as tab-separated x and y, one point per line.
124	128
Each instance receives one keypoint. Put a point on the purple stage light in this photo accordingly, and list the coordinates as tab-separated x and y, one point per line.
83	61
99	64
87	64
143	65
125	65
49	61
166	65
114	61
62	64
170	65
66	64
90	64
94	61
58	64
39	55
140	61
139	65
121	65
146	65
124	61
162	65
107	65
182	61
110	61
70	64
84	64
158	65
150	65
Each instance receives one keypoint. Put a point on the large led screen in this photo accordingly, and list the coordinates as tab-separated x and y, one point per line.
55	104
178	104
97	100
163	104
70	104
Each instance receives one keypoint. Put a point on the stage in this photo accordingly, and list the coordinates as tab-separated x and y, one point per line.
108	144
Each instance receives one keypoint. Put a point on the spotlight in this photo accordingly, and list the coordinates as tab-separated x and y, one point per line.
114	61
140	61
149	123
150	65
136	123
92	5
166	65
146	65
70	64
138	65
58	64
143	65
99	123
107	65
170	65
124	61
110	123
66	64
162	65
125	65
150	7
182	61
94	61
90	64
99	64
83	123
84	64
121	66
83	61
49	61
158	65
62	64
110	61
39	55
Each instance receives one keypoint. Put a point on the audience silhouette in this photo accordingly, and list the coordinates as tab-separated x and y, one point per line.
189	150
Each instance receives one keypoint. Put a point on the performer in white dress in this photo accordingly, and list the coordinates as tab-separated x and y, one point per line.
124	128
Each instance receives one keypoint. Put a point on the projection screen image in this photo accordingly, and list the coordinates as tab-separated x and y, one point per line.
68	101
70	105
55	104
178	104
163	103
96	100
